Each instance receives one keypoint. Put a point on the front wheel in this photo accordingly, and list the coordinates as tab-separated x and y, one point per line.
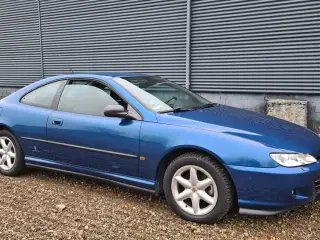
198	189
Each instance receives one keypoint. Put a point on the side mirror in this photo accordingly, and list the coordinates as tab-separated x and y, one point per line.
115	111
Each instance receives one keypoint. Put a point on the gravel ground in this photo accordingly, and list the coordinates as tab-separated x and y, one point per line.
47	205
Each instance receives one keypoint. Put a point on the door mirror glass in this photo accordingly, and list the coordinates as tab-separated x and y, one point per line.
115	111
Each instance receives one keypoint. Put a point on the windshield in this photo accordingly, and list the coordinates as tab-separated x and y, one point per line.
160	95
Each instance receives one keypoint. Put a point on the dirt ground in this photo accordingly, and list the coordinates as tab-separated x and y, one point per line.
47	205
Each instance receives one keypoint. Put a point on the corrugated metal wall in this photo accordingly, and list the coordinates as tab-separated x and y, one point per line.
20	62
236	46
255	46
137	36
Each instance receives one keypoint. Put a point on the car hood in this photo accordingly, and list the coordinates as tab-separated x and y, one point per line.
250	125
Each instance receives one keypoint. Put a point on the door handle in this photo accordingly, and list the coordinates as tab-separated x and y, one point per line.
57	122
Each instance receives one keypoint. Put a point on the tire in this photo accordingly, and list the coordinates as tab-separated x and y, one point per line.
220	191
15	153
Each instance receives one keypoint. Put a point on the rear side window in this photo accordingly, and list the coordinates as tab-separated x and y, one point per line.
43	96
88	98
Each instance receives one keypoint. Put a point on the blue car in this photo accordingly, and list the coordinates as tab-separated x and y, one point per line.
146	132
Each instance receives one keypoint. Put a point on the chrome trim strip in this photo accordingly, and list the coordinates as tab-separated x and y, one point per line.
91	176
34	139
261	212
81	147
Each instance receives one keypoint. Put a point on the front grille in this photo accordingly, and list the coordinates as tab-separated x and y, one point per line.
317	184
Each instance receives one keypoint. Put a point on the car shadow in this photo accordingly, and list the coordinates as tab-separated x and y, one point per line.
298	214
89	182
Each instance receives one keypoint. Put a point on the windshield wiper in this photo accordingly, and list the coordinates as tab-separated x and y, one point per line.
179	109
207	105
175	110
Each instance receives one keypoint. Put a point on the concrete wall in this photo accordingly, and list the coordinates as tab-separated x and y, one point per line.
258	103
7	91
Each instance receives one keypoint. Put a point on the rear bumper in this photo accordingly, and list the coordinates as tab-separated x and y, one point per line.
270	191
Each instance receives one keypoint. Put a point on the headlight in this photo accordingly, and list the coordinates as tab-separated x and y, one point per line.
293	160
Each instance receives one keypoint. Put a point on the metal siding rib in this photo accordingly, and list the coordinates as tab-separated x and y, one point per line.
135	36
255	46
19	43
236	46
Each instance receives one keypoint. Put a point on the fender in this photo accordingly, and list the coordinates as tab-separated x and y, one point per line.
157	140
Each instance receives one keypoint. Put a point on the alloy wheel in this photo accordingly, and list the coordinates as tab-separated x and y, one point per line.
194	190
7	153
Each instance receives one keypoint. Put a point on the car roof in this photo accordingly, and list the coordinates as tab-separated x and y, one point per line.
117	74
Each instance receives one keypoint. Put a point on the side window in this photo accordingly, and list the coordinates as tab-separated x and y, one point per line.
85	97
43	96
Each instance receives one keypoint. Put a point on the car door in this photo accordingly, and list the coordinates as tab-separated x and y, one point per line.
79	134
31	118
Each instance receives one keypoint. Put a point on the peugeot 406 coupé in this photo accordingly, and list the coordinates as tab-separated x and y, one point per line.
146	132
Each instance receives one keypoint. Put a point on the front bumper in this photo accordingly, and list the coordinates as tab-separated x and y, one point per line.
270	191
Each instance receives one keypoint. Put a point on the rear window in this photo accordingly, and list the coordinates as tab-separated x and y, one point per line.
43	96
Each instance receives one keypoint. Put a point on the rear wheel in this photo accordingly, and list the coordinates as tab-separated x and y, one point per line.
11	156
198	189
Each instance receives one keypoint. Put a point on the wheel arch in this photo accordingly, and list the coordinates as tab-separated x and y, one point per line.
173	153
5	127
